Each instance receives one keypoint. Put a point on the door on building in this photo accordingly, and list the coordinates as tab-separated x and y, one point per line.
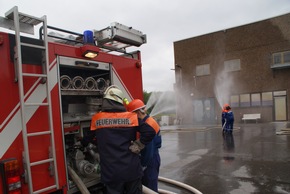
280	108
204	111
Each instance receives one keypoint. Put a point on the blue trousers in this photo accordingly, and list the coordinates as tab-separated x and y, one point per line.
133	187
151	173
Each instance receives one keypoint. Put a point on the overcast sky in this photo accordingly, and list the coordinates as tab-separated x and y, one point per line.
163	21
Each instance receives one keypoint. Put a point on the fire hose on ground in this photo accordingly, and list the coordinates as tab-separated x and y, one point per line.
146	190
173	182
179	184
83	189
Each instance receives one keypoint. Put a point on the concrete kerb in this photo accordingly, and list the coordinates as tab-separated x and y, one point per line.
180	128
282	128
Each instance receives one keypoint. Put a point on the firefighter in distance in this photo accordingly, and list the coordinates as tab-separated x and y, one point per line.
227	119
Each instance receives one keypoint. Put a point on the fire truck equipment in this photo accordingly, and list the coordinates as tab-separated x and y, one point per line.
88	37
65	82
101	84
111	36
78	82
82	187
90	83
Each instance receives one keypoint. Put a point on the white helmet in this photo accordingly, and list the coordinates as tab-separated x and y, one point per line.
114	93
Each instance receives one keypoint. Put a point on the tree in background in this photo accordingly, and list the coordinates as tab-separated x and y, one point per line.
146	96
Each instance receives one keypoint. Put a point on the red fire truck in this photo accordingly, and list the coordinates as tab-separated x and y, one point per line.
51	84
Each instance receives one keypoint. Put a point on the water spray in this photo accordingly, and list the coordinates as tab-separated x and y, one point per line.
223	85
161	102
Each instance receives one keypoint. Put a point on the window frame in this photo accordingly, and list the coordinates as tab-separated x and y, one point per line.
202	70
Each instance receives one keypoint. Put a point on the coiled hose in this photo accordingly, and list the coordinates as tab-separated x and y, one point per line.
65	82
78	82
90	83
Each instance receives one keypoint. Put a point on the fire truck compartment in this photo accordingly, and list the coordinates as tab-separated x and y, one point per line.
82	84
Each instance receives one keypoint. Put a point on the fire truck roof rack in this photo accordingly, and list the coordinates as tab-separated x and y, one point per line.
26	22
74	36
117	37
23	18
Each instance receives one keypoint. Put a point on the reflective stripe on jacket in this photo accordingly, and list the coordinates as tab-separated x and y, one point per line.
116	119
150	121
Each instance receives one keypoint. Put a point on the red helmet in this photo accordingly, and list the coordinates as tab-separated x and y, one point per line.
135	105
225	105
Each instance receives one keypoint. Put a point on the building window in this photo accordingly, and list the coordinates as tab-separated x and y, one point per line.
202	70
235	101
267	99
256	99
232	65
279	93
286	57
245	100
281	58
277	58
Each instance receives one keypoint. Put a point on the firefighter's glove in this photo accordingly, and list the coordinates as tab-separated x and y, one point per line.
136	146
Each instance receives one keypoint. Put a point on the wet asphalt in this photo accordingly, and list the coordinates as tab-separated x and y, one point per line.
255	159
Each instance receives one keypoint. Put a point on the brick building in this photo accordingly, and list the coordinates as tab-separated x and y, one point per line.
246	66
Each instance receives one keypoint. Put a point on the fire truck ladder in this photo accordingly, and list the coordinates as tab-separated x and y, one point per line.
19	19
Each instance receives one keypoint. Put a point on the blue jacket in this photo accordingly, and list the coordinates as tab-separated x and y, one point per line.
151	148
228	120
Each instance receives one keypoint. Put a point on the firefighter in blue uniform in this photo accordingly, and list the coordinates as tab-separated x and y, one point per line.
227	119
150	158
115	131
